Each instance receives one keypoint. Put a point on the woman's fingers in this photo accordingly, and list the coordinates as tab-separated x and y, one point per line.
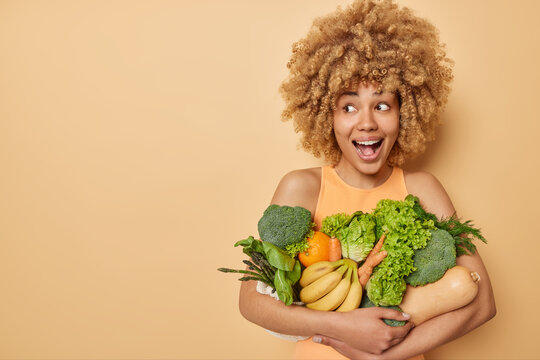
343	348
338	345
325	340
400	332
393	335
364	331
397	333
392	314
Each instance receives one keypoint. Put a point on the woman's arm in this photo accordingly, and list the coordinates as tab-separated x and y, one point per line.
363	327
449	326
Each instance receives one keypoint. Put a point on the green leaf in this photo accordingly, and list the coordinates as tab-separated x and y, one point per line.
277	257
294	275
283	287
250	245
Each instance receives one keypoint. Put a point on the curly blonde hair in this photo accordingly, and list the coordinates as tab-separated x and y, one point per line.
369	40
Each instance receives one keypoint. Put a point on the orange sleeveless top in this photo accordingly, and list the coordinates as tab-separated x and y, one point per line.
337	196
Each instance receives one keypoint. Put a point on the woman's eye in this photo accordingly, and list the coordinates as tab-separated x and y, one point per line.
349	108
382	107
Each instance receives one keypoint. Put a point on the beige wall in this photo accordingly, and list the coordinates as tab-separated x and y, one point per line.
140	139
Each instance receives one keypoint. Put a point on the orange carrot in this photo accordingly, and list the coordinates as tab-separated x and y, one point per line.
373	259
334	249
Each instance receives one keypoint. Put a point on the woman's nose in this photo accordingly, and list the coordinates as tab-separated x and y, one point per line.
366	121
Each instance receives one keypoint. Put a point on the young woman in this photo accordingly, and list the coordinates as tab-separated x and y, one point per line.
366	88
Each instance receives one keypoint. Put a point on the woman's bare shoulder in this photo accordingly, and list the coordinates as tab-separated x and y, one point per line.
299	188
433	197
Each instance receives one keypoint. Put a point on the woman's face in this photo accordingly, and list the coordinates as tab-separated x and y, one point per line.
366	126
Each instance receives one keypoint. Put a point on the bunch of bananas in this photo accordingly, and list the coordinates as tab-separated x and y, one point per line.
328	286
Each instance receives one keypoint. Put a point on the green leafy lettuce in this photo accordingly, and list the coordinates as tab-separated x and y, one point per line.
357	239
405	232
333	225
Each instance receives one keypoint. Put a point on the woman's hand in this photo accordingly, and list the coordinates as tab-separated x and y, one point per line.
345	349
362	332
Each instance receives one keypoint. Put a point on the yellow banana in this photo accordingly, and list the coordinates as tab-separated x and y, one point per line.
322	285
335	297
317	270
354	297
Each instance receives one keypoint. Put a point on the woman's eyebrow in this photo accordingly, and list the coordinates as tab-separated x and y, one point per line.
353	93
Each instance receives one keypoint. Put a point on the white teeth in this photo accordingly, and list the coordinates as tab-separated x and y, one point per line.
367	142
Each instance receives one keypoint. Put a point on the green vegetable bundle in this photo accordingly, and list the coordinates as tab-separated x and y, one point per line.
420	247
272	266
283	230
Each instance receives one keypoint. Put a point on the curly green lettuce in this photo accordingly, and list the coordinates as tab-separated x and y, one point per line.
295	248
405	232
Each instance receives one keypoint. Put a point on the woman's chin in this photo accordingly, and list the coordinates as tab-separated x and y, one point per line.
372	169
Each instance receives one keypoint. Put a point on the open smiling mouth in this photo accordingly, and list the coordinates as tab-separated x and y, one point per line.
368	150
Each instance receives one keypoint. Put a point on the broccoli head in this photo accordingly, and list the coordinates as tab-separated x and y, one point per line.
432	261
284	225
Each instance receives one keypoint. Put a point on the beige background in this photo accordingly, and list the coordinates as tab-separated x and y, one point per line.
140	139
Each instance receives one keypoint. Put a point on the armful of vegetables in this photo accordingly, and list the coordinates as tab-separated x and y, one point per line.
414	252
